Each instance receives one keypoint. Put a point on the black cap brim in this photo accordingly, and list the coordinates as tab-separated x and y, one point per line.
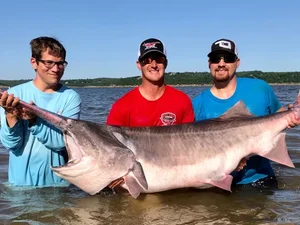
150	51
220	51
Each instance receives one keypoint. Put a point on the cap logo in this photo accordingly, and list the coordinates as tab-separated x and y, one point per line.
150	45
224	44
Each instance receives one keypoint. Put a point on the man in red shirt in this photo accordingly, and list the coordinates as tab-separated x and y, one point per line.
153	103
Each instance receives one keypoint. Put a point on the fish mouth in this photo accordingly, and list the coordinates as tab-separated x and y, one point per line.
75	153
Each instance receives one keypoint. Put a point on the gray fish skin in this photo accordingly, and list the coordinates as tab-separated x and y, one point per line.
155	159
203	154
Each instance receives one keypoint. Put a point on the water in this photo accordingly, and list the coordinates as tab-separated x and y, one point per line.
69	205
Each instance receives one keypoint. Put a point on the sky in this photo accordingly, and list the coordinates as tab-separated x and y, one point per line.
102	36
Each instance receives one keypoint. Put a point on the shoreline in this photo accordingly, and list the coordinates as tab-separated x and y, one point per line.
175	85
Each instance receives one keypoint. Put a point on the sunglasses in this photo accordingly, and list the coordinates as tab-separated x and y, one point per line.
149	60
226	58
50	64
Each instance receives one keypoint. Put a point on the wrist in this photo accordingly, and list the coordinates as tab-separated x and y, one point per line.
10	116
32	121
11	119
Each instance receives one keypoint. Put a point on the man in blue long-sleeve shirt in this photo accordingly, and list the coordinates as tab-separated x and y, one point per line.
35	145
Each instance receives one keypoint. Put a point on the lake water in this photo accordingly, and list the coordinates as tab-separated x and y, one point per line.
69	205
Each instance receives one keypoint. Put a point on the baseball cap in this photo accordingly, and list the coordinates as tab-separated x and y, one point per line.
151	45
223	45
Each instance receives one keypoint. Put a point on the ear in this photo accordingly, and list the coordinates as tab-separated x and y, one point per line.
238	61
138	65
166	64
33	63
208	64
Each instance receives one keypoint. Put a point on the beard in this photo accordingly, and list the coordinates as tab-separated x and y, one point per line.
224	78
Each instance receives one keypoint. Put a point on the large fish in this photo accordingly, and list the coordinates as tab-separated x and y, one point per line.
96	158
155	159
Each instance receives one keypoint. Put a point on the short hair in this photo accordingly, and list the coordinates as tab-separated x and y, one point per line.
43	44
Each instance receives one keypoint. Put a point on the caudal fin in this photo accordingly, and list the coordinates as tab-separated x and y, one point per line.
280	153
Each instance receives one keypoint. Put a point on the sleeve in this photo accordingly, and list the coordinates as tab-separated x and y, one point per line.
11	137
189	112
117	115
51	136
274	103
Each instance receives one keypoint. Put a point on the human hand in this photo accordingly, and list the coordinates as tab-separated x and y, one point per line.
9	103
13	109
241	165
292	121
26	114
290	106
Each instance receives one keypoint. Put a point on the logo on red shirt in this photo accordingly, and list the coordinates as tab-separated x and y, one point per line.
168	118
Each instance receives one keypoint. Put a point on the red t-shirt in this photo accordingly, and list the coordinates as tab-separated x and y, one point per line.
173	107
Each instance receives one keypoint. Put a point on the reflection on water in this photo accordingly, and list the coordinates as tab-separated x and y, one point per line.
70	205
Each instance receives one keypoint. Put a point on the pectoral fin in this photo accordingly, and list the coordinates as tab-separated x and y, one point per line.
133	186
224	183
138	172
135	180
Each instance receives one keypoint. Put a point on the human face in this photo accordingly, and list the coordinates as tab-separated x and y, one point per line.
49	70
223	66
153	67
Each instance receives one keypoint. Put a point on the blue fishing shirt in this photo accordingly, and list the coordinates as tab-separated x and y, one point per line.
33	150
260	100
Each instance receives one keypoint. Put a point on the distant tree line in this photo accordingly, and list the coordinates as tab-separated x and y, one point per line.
182	78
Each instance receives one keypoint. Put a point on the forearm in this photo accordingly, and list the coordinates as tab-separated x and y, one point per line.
11	119
12	137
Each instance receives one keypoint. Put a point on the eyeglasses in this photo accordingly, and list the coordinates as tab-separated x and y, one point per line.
226	58
149	60
50	64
